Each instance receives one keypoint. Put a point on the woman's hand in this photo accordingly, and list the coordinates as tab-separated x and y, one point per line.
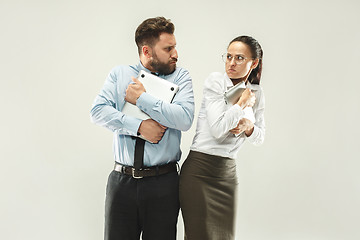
243	125
247	99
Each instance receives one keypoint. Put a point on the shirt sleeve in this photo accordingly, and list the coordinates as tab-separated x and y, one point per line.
220	117
177	115
104	110
258	135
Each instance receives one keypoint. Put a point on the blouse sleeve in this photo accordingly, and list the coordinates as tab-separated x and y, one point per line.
258	135
220	117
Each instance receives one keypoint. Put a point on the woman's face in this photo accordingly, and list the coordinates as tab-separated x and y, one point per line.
239	61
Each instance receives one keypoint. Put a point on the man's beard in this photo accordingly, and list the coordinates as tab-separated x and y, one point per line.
162	68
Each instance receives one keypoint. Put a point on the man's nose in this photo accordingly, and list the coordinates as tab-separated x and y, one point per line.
174	54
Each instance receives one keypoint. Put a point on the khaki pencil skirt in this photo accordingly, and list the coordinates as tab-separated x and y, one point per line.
208	188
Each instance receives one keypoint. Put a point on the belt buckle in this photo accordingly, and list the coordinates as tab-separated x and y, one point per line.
133	174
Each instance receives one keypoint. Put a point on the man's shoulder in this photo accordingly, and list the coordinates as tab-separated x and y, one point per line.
180	74
181	71
125	68
124	71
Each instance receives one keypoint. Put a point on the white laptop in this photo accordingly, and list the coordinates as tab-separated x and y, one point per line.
155	86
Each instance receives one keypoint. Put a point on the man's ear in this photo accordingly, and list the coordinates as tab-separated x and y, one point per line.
147	51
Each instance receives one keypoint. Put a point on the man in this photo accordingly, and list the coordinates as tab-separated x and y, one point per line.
146	200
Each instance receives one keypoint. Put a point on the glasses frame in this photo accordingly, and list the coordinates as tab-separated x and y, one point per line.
237	62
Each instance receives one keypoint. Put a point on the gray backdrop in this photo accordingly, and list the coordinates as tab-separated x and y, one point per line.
301	184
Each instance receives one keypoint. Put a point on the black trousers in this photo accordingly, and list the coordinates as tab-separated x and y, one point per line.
149	205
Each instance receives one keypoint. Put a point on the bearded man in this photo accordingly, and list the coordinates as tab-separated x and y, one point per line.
145	200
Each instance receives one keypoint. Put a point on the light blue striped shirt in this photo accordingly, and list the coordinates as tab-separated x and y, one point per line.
177	116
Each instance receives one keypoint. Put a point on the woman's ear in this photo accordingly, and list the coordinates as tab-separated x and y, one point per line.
255	63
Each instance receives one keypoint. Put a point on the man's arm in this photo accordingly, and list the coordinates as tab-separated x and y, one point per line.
177	115
152	130
104	110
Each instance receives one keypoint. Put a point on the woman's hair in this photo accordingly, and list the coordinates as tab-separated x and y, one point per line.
257	52
148	32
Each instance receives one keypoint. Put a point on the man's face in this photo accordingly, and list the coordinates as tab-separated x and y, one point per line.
164	55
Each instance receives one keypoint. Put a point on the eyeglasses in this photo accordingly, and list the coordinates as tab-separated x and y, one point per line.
226	57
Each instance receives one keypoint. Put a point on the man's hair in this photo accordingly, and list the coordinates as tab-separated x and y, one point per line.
148	32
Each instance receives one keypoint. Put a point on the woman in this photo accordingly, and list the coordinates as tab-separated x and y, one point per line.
208	178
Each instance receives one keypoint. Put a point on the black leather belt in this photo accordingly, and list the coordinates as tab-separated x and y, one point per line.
147	172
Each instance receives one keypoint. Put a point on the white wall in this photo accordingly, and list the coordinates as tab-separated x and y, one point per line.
302	184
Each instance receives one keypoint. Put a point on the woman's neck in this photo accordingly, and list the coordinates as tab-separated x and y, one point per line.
236	80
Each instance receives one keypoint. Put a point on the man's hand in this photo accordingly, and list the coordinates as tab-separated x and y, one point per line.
134	91
152	130
247	99
243	125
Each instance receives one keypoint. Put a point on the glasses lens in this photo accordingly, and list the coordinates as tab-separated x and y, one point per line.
226	57
239	59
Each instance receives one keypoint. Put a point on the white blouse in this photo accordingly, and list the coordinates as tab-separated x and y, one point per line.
216	119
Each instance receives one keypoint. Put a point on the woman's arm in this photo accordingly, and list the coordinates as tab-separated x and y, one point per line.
220	117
